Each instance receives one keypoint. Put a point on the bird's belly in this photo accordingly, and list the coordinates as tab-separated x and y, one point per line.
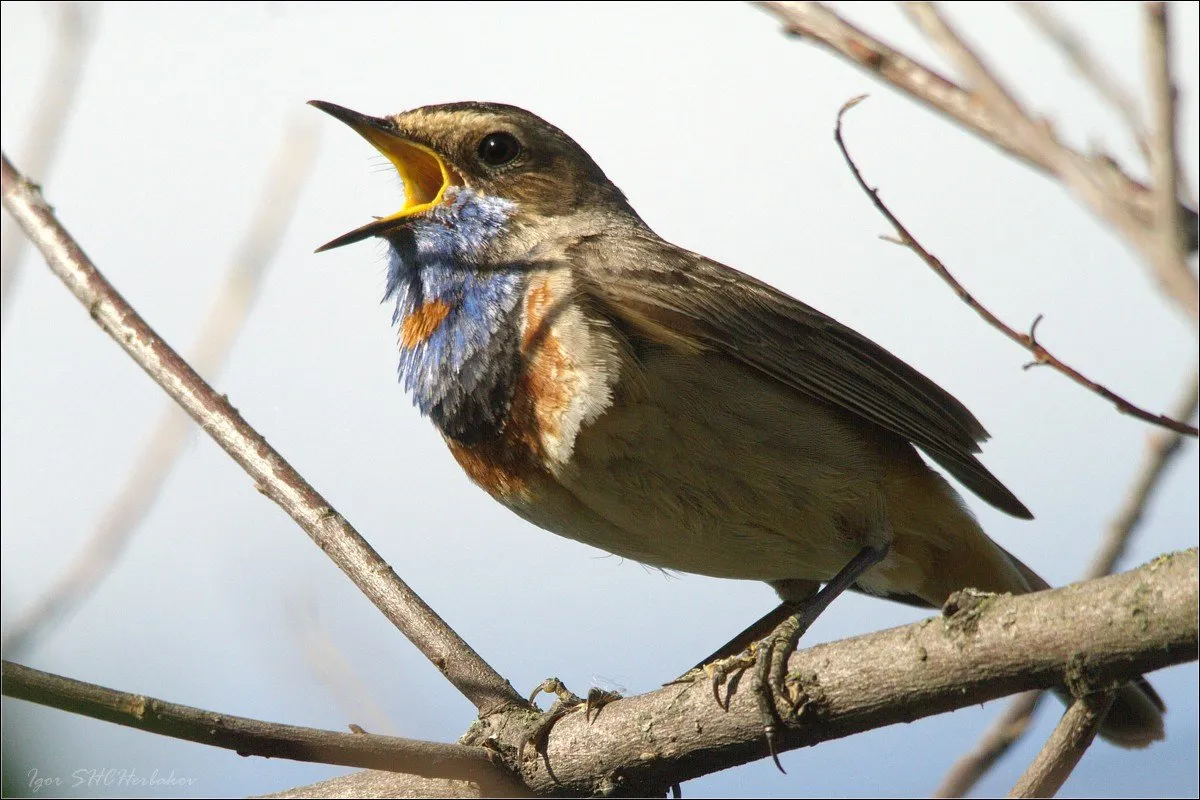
703	466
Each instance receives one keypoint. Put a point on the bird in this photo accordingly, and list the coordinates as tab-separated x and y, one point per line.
616	389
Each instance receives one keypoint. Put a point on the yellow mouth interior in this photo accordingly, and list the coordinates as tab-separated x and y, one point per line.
424	174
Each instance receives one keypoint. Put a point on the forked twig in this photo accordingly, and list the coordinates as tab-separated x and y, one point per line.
1002	734
1027	340
990	111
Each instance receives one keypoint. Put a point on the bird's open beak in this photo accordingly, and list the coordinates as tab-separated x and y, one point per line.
425	175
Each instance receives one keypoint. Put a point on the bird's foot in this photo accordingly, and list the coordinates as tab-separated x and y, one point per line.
724	672
775	703
769	659
565	702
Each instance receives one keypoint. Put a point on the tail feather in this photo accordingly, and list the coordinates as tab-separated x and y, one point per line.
939	549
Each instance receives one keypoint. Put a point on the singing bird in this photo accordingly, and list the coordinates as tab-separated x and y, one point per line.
618	390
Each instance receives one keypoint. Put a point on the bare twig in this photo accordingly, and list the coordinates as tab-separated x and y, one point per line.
292	165
1168	252
1160	452
997	739
257	738
1156	242
74	29
983	83
1070	740
1091	68
1096	180
274	476
1027	340
642	745
1161	449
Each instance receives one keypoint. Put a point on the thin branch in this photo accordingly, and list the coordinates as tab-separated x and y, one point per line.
1087	65
1070	740
1147	235
1027	340
74	31
251	737
1002	645
1096	180
1168	252
1002	734
291	168
820	24
273	476
1162	448
983	83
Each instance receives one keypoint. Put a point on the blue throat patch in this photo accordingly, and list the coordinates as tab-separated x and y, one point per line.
460	370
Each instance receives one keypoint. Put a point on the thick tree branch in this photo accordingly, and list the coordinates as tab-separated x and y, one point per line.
1099	634
993	114
292	165
274	477
1070	740
1161	450
251	737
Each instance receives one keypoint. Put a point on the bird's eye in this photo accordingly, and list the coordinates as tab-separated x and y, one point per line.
498	149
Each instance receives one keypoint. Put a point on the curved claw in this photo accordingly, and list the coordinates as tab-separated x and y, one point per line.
557	688
720	670
566	702
597	699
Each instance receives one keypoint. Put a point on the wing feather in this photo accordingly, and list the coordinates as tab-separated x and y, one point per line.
682	299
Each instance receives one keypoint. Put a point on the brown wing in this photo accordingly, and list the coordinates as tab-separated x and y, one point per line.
681	298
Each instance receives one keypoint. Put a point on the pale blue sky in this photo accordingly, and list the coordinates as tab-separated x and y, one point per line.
719	130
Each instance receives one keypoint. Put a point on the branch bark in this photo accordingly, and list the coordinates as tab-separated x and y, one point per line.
252	737
1071	738
1099	634
273	475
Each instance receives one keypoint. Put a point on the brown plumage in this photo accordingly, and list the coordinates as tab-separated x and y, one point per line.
661	406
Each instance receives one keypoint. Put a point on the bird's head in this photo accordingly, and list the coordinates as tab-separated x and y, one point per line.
491	149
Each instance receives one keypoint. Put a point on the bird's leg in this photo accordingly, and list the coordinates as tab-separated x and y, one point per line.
774	651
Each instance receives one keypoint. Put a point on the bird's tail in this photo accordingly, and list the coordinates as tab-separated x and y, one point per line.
950	552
